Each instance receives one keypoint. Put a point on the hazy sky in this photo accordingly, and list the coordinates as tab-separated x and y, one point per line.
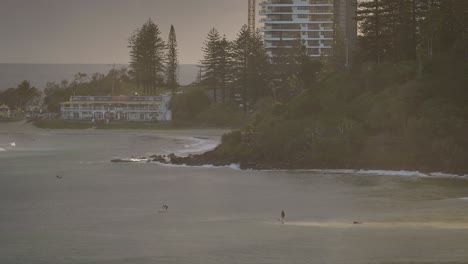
96	31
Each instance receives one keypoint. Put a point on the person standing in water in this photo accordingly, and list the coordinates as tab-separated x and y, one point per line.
283	215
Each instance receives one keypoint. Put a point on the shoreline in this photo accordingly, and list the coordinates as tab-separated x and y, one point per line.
85	125
168	160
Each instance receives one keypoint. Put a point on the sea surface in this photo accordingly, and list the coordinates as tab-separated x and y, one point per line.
12	74
108	213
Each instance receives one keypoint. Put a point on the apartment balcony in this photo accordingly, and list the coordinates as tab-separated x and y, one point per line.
266	13
319	47
276	2
277	19
276	10
308	38
278	47
299	29
271	22
282	3
292	12
279	39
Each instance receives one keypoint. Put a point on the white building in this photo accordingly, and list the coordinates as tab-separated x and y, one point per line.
120	108
310	21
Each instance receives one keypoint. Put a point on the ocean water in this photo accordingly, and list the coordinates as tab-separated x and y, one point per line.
102	212
12	74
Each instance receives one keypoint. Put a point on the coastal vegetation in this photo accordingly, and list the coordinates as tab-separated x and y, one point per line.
361	122
401	105
20	97
195	108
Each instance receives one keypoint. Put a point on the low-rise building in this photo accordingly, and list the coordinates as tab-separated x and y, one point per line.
4	112
118	108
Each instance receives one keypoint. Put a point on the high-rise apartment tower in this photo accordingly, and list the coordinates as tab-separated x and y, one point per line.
316	23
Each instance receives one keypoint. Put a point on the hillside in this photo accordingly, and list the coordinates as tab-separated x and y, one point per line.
390	116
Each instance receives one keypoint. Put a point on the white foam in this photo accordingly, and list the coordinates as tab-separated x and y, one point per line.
209	166
2	150
200	145
464	198
393	173
13	144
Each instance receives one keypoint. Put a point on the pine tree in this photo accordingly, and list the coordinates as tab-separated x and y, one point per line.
402	30
210	61
373	18
136	56
223	65
430	25
250	66
172	61
147	56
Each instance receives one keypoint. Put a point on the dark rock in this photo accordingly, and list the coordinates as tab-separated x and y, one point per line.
122	161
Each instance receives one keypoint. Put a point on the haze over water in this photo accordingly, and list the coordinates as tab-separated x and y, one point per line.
102	212
12	74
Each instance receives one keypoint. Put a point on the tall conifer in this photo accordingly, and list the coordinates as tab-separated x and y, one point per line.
172	60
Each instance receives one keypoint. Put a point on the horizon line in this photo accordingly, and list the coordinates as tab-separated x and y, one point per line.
80	63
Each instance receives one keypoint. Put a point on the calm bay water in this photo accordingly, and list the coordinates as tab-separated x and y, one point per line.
109	213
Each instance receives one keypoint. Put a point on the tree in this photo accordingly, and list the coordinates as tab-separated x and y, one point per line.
26	94
210	61
216	64
147	56
21	96
172	61
373	18
224	63
250	64
9	97
56	94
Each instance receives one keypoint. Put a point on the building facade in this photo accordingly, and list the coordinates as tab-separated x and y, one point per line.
117	108
313	22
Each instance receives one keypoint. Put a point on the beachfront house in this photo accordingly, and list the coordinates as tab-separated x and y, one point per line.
117	108
4	112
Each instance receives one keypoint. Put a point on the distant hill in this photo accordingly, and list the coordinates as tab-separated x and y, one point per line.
11	74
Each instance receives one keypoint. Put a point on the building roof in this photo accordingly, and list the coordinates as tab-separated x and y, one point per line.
121	98
112	102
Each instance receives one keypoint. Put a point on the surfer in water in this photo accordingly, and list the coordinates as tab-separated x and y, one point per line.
283	215
165	207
